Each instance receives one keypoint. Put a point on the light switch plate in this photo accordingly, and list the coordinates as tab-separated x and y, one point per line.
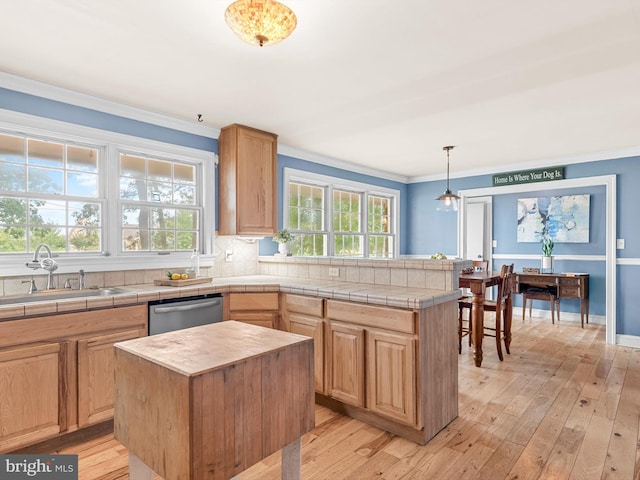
620	243
495	243
334	272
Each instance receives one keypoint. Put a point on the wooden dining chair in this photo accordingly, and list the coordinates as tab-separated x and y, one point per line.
503	313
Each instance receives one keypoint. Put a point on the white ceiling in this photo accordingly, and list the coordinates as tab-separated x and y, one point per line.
384	84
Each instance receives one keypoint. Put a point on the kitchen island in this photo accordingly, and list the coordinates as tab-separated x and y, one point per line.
238	393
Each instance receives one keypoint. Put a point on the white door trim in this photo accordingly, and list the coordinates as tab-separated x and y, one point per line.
609	182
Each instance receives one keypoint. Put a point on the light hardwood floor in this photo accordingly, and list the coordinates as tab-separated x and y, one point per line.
563	405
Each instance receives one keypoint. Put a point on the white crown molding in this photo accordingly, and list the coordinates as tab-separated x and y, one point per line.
517	167
34	125
344	165
51	92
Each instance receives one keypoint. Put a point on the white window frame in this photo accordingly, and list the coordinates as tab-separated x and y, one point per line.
334	183
110	145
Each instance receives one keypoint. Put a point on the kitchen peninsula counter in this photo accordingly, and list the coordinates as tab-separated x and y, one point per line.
385	295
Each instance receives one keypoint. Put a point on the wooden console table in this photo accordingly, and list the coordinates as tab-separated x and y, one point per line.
208	402
568	285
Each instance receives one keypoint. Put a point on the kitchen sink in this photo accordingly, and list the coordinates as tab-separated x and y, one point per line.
61	293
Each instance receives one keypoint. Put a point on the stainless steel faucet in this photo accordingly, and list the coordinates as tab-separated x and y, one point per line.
48	264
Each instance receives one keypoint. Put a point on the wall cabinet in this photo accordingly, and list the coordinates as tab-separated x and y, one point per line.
255	308
61	376
247	173
32	382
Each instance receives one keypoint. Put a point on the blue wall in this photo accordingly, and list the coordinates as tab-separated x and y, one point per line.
429	231
423	230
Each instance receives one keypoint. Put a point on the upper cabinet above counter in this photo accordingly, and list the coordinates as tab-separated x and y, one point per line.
247	181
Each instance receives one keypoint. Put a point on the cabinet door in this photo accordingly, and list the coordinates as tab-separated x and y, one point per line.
345	363
257	182
314	328
32	385
391	382
248	181
96	381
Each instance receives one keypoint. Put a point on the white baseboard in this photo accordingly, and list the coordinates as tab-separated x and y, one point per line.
564	316
628	341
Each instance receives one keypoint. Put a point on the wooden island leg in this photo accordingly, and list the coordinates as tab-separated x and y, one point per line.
292	460
138	470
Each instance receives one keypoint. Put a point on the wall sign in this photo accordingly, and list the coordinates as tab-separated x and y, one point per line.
528	176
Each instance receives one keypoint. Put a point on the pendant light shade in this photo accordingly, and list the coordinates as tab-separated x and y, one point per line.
448	202
260	22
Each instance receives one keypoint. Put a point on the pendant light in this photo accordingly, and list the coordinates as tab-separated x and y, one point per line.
447	202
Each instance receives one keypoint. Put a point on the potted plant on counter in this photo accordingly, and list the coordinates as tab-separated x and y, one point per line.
547	259
284	238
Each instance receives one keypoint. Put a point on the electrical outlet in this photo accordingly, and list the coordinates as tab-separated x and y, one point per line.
334	272
620	243
228	255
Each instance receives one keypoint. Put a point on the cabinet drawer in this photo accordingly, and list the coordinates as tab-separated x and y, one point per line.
263	319
253	301
372	316
307	305
569	291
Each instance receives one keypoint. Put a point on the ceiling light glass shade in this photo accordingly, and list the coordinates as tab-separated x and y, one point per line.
447	202
260	22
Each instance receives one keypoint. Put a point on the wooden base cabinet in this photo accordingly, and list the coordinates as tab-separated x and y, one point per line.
259	309
96	364
372	360
305	316
32	383
61	377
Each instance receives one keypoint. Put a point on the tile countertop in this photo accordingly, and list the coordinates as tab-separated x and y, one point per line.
403	297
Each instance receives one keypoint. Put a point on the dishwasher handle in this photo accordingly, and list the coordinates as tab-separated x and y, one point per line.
186	308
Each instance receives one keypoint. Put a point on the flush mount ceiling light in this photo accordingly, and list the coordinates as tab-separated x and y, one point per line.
260	22
448	202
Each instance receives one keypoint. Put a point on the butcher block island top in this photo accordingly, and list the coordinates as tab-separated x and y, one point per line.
208	402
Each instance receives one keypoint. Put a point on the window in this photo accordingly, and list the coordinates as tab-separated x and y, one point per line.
90	194
158	204
358	221
49	193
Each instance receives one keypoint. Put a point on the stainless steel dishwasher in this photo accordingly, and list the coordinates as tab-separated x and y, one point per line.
178	313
